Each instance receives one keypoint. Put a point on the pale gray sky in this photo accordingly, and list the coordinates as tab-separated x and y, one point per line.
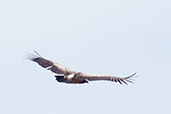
93	36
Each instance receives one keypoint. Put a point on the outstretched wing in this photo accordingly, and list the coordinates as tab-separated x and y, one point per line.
52	66
108	78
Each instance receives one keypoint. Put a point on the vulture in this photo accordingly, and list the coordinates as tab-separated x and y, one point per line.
65	75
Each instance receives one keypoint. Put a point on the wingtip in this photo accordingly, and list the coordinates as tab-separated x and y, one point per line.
131	75
130	78
32	57
37	53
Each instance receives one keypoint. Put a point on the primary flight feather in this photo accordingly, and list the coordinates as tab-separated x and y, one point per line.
66	75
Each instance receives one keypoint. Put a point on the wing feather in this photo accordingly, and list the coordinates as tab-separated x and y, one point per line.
121	80
52	66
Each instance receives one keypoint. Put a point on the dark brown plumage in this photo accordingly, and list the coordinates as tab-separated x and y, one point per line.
66	75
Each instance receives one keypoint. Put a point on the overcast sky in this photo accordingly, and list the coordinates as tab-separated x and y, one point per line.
93	36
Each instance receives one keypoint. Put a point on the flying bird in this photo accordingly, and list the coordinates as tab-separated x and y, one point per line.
65	75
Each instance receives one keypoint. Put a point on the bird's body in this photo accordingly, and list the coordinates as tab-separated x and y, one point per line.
66	75
71	79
